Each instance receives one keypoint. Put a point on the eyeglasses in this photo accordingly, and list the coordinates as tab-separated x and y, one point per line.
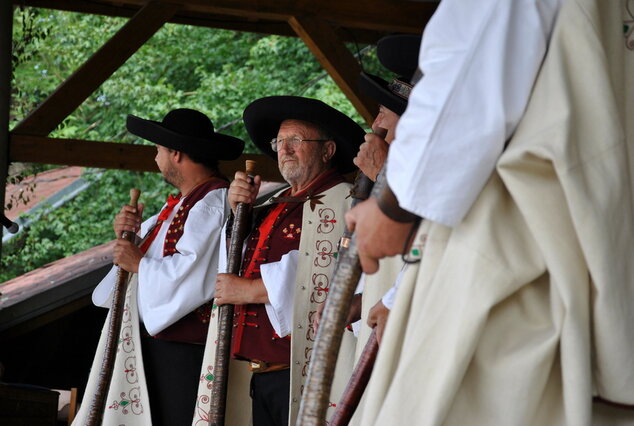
291	143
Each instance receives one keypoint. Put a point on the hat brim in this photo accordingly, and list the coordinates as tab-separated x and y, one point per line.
217	147
262	119
377	88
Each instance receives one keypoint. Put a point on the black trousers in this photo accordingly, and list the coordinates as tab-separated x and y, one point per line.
269	397
172	372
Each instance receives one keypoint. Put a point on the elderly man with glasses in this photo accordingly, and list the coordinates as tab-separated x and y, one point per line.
291	252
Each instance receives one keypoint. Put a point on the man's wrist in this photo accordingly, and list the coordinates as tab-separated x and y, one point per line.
388	204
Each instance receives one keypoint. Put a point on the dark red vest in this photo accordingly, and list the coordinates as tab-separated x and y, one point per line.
192	328
253	335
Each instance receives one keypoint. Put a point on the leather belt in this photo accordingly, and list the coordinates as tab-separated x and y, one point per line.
264	367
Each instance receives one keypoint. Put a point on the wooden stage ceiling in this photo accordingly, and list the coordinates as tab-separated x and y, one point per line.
324	25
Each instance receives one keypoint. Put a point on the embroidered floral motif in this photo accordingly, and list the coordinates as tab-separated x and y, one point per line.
291	232
327	221
127	341
126	312
129	401
201	410
321	284
130	370
325	253
208	377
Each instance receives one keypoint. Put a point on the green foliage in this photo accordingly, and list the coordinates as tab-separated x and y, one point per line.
83	223
218	72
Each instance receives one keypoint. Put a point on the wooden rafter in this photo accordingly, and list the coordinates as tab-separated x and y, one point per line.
101	65
324	26
377	15
210	20
333	55
110	155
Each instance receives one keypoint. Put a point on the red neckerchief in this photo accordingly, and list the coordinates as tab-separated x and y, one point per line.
172	201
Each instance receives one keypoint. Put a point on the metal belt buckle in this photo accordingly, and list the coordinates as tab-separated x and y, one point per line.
256	366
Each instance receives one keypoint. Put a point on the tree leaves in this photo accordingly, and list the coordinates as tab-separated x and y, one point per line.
218	72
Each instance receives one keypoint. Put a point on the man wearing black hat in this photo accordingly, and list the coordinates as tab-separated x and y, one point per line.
175	268
399	54
291	253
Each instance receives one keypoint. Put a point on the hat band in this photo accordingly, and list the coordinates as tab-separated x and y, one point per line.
400	88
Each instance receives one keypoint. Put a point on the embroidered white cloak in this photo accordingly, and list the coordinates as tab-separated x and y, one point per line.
523	313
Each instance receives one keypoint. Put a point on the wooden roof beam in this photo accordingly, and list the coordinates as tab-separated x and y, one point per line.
111	155
378	15
335	57
208	20
101	65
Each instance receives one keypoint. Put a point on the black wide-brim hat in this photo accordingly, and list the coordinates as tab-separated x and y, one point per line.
386	94
262	119
189	131
399	54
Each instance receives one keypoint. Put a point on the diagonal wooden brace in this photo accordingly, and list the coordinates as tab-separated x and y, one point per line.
101	65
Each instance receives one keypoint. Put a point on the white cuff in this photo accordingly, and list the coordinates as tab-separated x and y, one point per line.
279	280
102	294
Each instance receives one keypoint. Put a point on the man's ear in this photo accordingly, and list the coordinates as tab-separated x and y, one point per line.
328	151
177	156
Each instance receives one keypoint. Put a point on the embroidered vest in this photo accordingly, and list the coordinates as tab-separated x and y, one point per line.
254	337
192	328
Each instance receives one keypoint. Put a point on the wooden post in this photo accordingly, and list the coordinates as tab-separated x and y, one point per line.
6	35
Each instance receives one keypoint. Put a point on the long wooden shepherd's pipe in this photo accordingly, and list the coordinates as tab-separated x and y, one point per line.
239	231
98	403
356	385
314	404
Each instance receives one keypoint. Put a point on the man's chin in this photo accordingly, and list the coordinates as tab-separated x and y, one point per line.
166	180
290	175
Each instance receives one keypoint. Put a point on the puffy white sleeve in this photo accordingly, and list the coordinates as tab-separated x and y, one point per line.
479	60
280	279
102	294
170	287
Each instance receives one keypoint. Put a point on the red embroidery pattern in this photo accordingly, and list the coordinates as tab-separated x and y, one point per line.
321	285
130	370
325	253
327	221
323	258
127	342
201	410
129	402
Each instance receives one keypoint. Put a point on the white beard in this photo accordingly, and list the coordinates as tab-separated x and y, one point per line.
290	171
